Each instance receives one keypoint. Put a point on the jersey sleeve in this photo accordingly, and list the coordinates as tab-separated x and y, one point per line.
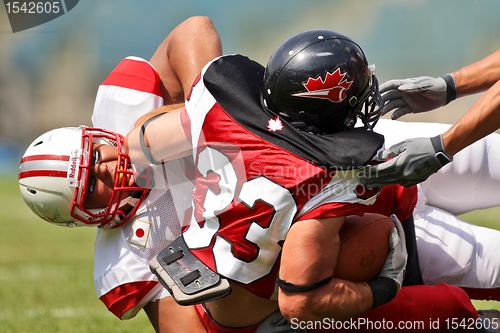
122	279
342	197
334	209
127	299
132	89
396	199
351	198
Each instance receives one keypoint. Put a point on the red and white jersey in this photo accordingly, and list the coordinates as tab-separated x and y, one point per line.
130	90
122	277
256	175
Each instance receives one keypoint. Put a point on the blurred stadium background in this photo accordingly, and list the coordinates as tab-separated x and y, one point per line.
49	75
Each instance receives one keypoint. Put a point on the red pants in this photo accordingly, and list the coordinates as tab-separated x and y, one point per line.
213	327
415	308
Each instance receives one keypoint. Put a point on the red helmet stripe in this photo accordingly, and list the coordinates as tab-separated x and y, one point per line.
45	157
43	173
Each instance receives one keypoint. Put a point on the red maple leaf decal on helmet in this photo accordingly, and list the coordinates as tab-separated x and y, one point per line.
333	88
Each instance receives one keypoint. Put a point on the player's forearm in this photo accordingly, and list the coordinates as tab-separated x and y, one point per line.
347	299
159	140
339	300
478	76
482	119
308	261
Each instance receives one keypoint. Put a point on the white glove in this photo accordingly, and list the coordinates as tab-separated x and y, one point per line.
395	264
417	95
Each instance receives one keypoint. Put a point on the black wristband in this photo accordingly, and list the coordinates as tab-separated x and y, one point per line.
295	288
442	156
144	147
383	290
451	89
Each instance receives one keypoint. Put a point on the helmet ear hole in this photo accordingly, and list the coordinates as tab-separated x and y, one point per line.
32	191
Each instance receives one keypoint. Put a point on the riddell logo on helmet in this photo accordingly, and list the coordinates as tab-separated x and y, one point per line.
72	169
333	88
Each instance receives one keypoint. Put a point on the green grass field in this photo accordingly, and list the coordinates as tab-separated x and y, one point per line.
46	280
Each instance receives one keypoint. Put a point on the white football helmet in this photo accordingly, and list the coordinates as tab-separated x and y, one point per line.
54	178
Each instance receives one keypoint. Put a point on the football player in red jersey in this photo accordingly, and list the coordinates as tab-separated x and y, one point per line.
157	310
240	158
275	171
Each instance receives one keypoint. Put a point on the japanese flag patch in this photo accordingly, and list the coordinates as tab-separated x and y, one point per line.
140	233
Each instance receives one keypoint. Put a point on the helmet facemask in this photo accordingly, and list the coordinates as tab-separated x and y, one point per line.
125	198
370	105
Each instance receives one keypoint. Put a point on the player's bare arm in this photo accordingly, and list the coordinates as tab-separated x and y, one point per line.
425	93
167	108
358	259
478	76
158	139
183	53
309	256
308	288
482	119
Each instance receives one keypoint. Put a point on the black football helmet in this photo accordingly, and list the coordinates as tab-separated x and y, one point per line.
320	81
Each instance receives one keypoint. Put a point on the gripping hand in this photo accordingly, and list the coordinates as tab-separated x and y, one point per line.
413	161
417	95
388	282
395	264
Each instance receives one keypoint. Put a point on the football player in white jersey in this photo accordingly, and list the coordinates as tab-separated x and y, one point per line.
122	277
123	280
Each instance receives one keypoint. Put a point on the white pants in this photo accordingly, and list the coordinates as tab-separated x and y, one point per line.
449	249
453	251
